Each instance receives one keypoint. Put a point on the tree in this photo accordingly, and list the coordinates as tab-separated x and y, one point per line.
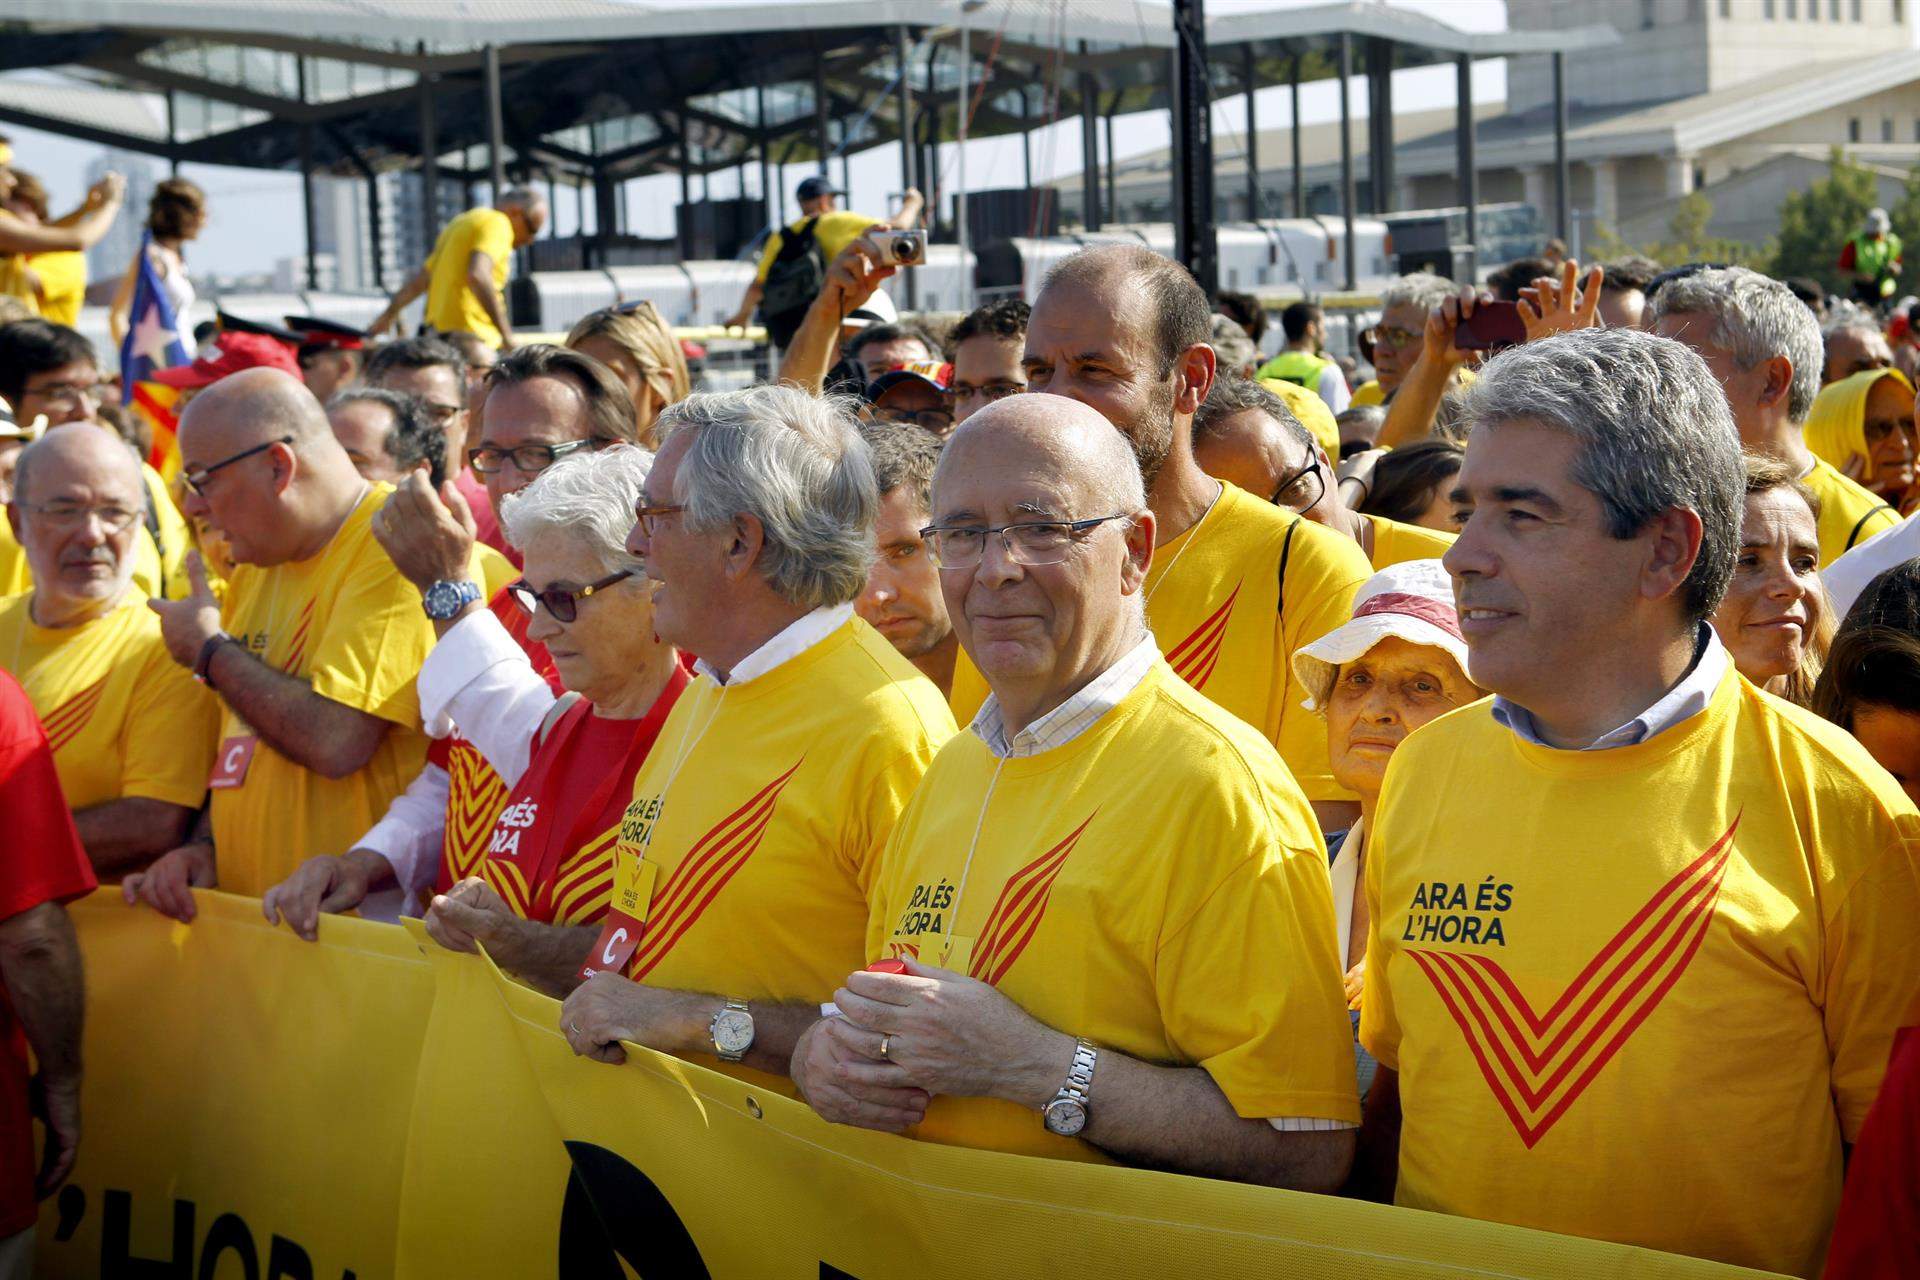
1687	240
1817	222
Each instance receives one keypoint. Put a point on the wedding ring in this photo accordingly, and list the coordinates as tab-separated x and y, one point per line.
574	1027
886	1042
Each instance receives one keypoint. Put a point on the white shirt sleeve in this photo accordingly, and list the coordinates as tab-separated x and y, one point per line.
1333	389
411	834
479	679
1848	576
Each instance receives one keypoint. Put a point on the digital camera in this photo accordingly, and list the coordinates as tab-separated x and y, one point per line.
901	248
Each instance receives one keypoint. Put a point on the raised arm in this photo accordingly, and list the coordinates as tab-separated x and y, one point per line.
852	278
910	207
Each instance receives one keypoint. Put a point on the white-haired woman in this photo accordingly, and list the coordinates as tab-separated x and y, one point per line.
568	761
1396	664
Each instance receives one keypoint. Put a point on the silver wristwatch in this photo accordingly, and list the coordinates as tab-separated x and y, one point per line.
732	1031
1067	1114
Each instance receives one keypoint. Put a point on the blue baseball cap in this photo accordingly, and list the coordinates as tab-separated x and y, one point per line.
815	187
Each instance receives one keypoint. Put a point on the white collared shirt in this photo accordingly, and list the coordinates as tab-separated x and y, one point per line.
792	641
1074	716
1679	704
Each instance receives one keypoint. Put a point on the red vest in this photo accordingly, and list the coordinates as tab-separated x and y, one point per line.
551	852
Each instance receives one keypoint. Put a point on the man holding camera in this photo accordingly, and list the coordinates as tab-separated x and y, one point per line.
793	265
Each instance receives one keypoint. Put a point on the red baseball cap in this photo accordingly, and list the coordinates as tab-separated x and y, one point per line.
230	352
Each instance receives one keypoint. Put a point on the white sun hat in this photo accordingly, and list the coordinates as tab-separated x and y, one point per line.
1412	600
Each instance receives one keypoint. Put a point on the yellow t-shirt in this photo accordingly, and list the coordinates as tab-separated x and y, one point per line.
834	232
13	276
1397	543
1109	876
1216	606
348	625
1641	994
764	806
123	718
159	569
1367	393
1849	514
496	571
451	306
63	284
1312	411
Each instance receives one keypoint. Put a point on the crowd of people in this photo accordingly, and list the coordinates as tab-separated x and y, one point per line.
1064	731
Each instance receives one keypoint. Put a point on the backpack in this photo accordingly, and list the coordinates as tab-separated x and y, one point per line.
794	278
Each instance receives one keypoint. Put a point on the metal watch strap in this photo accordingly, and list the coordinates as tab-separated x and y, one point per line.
1079	1083
732	1005
203	664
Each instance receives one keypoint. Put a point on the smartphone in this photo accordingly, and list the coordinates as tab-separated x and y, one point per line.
1491	326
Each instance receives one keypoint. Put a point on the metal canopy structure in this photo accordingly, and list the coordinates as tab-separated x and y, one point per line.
594	92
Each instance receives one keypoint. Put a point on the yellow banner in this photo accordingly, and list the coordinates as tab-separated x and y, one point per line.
372	1106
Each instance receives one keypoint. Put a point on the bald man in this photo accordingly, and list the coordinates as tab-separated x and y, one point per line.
132	734
312	652
1110	899
1239	584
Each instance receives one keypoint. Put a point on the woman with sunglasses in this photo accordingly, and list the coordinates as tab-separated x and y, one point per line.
569	761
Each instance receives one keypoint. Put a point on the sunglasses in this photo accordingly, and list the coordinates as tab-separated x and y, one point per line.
561	604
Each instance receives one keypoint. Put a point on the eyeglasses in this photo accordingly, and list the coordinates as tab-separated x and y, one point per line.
938	421
561	605
1299	491
990	392
528	459
1391	336
67	515
650	517
1030	542
197	480
66	392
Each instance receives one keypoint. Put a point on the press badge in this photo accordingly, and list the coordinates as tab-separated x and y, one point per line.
626	923
231	765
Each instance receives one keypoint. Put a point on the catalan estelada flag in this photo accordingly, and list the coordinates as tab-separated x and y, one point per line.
152	342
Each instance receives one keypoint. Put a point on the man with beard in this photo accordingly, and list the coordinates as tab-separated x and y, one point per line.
1236	584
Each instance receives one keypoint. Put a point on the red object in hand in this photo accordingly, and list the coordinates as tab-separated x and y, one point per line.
887	966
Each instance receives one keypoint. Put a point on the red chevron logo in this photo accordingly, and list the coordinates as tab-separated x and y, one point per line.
474	803
1538	1065
1017	912
1194	658
713	860
297	646
66	721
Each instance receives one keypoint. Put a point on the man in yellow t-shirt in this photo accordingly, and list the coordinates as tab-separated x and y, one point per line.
312	651
132	734
1640	933
1245	436
1236	584
833	229
465	277
1065	882
743	864
1764	346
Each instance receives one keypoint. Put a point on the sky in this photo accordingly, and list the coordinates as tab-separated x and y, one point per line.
255	214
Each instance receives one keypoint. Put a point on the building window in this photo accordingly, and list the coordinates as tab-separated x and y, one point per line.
1726	8
1900	11
1886	129
1793	9
1767	10
1646	15
1833	10
1856	11
1853	129
1916	128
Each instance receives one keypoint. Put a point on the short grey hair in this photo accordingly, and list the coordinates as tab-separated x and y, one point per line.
1755	318
1233	350
590	496
1654	431
521	198
795	463
1422	289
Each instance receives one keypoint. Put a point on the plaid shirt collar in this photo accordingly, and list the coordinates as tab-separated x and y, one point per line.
1074	716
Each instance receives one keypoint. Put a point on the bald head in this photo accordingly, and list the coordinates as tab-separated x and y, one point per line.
1062	441
263	467
78	448
77	504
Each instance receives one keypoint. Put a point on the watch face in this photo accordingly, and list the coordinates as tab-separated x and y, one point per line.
1065	1117
733	1031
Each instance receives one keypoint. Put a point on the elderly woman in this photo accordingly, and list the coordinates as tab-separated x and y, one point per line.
1863	425
1774	619
1398	663
568	762
639	346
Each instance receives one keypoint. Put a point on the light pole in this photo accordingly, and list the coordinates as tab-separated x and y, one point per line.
967	9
